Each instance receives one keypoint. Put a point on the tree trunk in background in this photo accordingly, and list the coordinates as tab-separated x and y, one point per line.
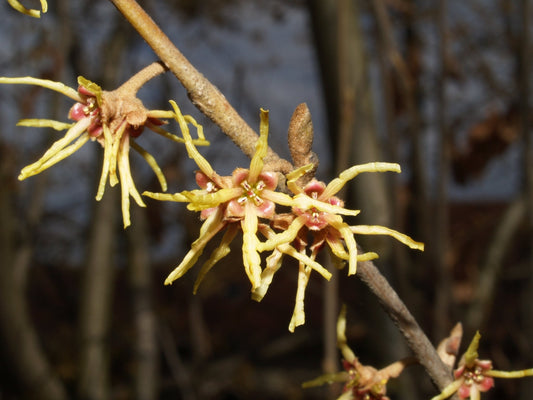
22	350
350	108
340	46
96	297
439	254
145	349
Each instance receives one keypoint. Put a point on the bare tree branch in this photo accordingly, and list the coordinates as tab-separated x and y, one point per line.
204	95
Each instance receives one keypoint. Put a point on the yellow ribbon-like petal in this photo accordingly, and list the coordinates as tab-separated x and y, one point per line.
219	253
45	123
261	148
382	230
338	183
298	315
212	225
29	11
58	151
57	86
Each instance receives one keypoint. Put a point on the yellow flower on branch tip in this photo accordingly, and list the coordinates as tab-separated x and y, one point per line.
361	382
28	11
235	202
318	213
316	207
474	376
113	119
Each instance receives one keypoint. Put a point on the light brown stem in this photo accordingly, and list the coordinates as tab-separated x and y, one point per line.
132	85
406	323
204	95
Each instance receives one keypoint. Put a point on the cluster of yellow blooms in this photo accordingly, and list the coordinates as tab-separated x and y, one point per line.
244	202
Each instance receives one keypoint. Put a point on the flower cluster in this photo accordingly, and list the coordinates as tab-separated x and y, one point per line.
246	202
113	119
243	203
472	375
361	382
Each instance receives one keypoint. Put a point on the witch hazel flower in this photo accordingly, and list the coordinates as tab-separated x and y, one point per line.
472	375
28	11
318	213
361	382
236	203
114	120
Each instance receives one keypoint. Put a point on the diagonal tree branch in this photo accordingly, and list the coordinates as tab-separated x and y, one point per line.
204	95
416	338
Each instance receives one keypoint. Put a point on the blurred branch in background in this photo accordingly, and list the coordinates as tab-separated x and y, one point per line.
145	352
21	346
440	251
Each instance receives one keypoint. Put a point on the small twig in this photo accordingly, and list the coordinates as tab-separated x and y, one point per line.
204	95
133	84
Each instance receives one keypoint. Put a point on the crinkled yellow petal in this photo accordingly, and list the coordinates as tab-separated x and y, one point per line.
58	147
199	128
45	123
92	87
212	225
65	152
250	242
161	114
175	138
304	202
261	148
220	252
127	186
509	374
298	315
305	259
449	390
108	147
152	163
286	236
342	342
31	12
193	153
293	176
277	197
57	86
338	183
337	248
367	256
200	200
178	197
471	354
349	240
116	140
382	230
273	264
